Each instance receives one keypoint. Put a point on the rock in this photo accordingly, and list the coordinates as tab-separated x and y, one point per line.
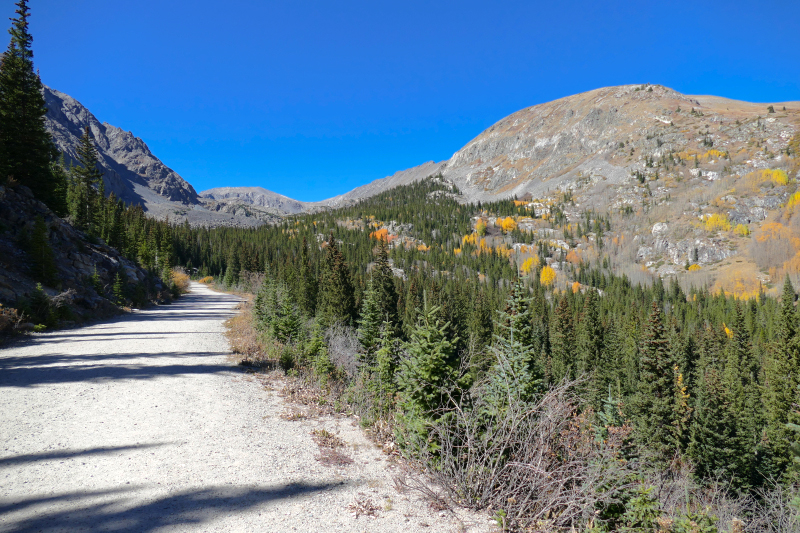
659	228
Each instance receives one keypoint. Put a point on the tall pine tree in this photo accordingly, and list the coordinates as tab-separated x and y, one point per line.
26	147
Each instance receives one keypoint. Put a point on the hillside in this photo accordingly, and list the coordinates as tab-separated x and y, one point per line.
132	172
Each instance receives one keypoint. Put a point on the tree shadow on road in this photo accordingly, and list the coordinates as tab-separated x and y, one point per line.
107	510
12	460
49	369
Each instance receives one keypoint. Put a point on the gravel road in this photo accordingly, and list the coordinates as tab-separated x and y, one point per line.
144	424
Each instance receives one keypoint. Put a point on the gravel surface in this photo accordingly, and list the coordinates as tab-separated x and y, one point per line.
145	424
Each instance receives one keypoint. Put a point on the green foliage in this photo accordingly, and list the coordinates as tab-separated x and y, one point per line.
82	195
336	294
426	373
44	264
516	375
26	148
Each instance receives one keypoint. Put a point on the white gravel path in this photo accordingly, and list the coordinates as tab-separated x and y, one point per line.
144	424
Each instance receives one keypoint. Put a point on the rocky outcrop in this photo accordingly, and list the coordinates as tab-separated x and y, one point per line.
76	258
229	198
128	162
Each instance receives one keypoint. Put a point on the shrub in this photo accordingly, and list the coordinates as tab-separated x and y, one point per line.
717	222
179	279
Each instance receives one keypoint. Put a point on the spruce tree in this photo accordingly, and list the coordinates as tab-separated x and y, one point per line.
653	405
590	350
369	325
781	382
85	178
713	429
383	284
26	147
562	340
337	296
516	375
425	375
44	264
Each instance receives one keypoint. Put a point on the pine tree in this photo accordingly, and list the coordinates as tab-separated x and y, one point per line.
336	298
369	325
383	284
781	381
118	290
516	375
741	384
590	350
653	405
425	374
85	177
307	283
44	264
26	148
561	343
713	429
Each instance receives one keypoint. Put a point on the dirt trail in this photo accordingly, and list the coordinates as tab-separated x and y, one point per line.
143	424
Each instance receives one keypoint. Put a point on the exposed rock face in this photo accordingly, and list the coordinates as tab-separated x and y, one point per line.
128	162
403	177
270	202
75	258
538	148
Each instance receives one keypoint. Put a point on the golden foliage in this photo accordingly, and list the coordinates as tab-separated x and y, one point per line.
456	251
207	280
180	278
480	228
741	282
423	248
728	332
529	264
506	224
717	222
794	200
573	257
576	286
519	203
694	268
742	230
548	276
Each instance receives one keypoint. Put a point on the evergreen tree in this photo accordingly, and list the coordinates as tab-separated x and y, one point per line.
653	405
383	284
561	363
44	264
590	349
782	381
307	283
713	428
336	298
83	196
26	148
426	373
516	375
118	290
369	325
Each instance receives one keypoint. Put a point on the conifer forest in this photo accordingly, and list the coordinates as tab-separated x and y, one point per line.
515	376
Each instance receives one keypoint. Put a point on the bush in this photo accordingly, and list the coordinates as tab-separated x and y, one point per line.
179	279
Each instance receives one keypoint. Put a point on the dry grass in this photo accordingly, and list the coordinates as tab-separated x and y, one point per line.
9	318
244	339
363	505
330	449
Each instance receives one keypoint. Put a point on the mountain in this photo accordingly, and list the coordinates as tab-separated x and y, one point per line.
132	171
252	201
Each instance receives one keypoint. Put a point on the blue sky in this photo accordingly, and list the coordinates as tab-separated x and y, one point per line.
311	99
